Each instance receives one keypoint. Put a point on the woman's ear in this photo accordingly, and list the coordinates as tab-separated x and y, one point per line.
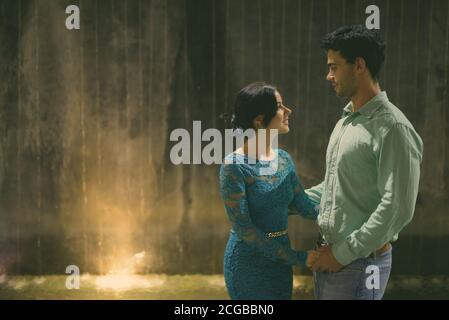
258	122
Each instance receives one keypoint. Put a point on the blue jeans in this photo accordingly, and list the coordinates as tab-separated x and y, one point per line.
350	283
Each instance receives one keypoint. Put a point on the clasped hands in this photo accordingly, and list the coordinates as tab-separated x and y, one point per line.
322	259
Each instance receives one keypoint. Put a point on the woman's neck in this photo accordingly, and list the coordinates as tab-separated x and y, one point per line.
266	152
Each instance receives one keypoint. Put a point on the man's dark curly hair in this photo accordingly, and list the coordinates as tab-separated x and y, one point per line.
357	41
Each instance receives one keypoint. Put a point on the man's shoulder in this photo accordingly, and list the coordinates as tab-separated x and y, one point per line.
389	115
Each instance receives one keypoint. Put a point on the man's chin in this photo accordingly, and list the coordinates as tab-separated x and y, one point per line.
341	94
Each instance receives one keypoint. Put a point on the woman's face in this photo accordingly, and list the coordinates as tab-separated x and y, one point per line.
280	120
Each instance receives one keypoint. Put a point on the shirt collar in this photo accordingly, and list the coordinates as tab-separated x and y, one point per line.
369	108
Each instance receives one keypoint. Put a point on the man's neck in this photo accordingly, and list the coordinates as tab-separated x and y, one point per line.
364	94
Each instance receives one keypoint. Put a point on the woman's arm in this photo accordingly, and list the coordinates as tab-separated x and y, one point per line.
233	193
302	204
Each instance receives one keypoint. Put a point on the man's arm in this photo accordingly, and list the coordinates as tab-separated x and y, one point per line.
398	179
315	193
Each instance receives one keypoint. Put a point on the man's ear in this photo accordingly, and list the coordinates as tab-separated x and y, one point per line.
360	64
258	122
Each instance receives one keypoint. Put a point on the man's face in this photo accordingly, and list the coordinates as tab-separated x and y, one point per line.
341	74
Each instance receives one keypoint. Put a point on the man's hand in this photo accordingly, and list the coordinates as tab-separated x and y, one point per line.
326	261
312	256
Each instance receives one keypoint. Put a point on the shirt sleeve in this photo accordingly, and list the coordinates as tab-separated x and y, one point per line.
398	171
316	192
233	193
302	204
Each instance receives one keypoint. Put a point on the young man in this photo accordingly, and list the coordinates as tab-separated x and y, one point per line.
372	173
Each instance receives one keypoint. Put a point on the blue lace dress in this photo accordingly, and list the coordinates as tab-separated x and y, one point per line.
258	258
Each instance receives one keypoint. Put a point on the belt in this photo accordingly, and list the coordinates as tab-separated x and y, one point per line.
276	234
381	250
321	242
270	234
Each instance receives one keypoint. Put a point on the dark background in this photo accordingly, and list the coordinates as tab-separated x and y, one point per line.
85	118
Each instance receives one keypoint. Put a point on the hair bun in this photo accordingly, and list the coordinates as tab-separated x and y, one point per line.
229	120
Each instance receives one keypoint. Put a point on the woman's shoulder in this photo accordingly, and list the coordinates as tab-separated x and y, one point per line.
233	167
282	153
233	158
232	162
286	160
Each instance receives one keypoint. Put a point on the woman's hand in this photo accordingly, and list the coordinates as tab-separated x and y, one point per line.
312	256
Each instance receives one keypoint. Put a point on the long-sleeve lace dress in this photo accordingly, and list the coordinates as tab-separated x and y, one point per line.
258	258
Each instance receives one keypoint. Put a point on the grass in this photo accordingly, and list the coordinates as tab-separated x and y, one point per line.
185	287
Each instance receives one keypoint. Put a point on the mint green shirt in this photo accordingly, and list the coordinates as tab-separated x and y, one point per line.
372	175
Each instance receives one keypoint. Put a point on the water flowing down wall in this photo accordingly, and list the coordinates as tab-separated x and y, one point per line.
86	115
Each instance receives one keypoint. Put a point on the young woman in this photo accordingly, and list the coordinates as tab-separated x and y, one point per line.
258	259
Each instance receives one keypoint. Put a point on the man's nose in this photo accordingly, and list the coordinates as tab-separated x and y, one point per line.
329	77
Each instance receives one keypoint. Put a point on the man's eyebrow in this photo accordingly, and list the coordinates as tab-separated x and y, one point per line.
331	64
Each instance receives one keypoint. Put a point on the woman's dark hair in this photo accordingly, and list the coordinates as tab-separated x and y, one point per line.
357	41
257	98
